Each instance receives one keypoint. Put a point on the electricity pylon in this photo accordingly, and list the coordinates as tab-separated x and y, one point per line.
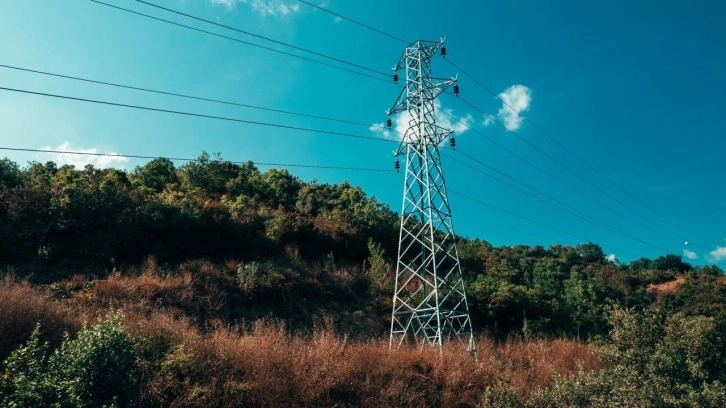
429	302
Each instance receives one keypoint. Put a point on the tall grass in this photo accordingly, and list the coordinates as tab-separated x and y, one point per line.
23	307
263	363
267	366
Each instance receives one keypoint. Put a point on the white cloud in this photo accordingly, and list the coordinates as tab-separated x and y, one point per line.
445	117
515	100
275	8
337	19
717	255
229	4
612	258
690	254
81	160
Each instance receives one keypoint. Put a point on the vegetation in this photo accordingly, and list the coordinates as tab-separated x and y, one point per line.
213	284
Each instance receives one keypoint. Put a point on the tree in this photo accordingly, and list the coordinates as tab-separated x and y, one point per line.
156	175
590	253
671	263
207	174
10	176
378	268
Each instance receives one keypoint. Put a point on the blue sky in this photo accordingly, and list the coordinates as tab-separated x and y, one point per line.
633	87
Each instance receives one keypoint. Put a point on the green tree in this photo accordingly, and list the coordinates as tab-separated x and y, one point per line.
671	263
10	176
208	174
590	253
155	175
378	268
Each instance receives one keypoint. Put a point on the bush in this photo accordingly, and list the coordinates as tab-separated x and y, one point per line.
99	368
25	381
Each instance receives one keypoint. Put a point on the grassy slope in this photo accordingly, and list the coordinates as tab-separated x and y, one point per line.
196	351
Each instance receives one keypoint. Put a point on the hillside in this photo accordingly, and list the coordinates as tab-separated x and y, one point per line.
228	282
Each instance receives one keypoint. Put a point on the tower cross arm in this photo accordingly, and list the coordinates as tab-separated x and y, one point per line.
400	104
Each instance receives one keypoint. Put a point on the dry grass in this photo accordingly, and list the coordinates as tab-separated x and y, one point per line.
263	364
269	367
667	287
22	307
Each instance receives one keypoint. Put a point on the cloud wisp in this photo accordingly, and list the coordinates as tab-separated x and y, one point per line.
690	254
444	117
275	8
717	255
515	100
81	160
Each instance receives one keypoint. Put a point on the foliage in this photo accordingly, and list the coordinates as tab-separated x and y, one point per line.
208	207
651	362
98	368
379	269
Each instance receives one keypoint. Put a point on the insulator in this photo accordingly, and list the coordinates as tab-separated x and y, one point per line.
397	165
452	142
456	90
395	78
443	51
388	122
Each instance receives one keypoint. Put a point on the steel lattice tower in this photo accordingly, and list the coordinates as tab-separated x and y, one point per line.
429	302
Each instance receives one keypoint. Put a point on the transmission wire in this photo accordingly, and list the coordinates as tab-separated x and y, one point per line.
565	167
513	214
199	115
569	151
568	208
262	37
199	98
327	10
533	124
543	171
136	156
240	41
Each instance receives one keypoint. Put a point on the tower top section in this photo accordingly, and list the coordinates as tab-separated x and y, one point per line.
418	94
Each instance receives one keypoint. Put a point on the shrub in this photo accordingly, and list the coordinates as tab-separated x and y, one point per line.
25	381
98	368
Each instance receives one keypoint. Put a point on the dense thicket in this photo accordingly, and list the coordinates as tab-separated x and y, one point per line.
62	220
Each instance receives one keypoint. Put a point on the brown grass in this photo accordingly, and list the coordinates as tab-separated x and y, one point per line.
667	287
23	307
185	364
269	367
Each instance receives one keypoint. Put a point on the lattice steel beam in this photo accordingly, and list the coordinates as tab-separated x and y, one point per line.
429	301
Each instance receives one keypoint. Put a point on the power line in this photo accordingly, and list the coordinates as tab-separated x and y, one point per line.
505	211
564	166
354	21
527	161
262	37
199	98
545	172
559	203
242	41
135	156
536	126
198	115
568	150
